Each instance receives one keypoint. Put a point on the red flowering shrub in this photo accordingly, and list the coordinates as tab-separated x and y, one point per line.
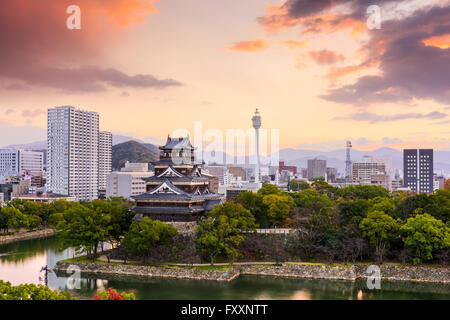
112	294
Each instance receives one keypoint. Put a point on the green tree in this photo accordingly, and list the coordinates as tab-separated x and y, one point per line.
145	234
267	189
17	219
84	228
222	231
55	218
5	216
362	192
386	205
31	292
119	213
424	234
254	203
298	185
278	208
380	229
33	222
312	200
353	210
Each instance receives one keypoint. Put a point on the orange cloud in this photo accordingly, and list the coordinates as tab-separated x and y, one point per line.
279	18
250	46
336	73
326	56
292	44
442	42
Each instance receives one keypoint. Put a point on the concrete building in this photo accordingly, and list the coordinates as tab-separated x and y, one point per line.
332	174
31	161
283	167
129	181
316	168
439	182
73	152
362	171
14	161
104	159
418	170
14	187
43	197
237	172
371	173
217	171
304	173
9	162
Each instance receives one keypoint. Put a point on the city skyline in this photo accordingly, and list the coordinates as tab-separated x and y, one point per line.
134	66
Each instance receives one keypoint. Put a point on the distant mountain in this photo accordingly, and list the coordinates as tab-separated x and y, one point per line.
297	157
132	151
34	146
118	139
336	158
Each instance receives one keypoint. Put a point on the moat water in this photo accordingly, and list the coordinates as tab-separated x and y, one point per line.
21	262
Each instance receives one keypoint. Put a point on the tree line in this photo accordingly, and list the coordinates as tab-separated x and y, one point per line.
329	224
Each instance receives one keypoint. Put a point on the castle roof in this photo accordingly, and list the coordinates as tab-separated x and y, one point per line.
167	191
177	143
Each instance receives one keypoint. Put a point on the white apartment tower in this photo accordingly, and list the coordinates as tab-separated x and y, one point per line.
104	158
73	152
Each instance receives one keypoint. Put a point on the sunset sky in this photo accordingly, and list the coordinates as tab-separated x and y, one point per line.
313	68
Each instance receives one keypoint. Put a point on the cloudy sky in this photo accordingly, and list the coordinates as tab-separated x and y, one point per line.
313	67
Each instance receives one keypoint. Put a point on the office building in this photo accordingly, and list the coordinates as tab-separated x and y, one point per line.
217	171
14	161
371	173
316	168
238	172
332	174
418	170
282	167
129	181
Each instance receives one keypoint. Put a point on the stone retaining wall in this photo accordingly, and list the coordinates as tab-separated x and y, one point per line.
352	273
26	236
149	271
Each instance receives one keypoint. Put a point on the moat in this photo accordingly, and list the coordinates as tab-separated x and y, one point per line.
21	262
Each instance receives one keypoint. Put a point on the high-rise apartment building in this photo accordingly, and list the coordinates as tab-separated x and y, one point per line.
104	158
316	168
418	170
373	173
73	152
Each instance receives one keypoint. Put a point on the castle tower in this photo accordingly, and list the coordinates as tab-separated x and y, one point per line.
179	191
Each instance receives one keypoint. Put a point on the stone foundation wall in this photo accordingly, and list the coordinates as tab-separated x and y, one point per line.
26	236
352	273
149	271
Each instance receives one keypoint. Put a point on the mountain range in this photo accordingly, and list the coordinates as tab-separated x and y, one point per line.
127	148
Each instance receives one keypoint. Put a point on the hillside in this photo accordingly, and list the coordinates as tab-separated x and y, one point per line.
134	152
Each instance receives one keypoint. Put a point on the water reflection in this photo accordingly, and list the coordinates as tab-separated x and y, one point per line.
21	262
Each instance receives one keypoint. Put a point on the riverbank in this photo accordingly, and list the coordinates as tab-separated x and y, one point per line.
26	236
286	270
